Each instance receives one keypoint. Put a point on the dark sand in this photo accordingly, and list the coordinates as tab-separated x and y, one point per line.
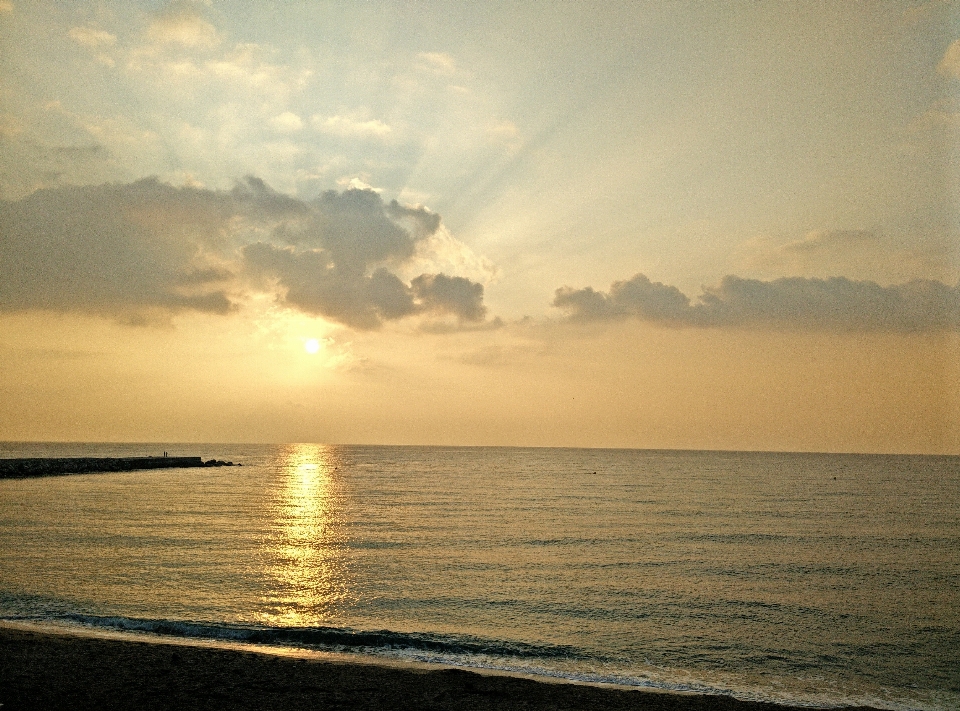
41	670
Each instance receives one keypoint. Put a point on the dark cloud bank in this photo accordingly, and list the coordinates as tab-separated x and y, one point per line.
145	249
837	303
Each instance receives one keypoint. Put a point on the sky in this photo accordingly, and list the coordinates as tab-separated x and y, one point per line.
729	225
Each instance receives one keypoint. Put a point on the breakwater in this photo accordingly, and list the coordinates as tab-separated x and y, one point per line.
43	466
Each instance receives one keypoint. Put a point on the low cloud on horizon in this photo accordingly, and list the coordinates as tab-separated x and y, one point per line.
793	303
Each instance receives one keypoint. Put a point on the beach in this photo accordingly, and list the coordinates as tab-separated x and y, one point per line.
53	670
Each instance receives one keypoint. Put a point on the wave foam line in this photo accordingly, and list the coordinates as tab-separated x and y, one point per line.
330	638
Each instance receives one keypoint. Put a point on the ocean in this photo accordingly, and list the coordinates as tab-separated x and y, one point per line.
809	579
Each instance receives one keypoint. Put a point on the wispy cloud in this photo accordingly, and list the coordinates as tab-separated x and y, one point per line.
438	63
350	126
180	23
287	122
950	64
92	37
858	254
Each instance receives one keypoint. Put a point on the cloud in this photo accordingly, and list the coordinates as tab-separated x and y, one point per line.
357	183
943	115
243	70
185	61
818	249
829	240
856	254
438	63
446	253
506	134
925	12
635	297
420	218
350	127
27	163
327	265
181	24
287	122
92	37
124	250
445	294
950	64
355	227
837	303
313	284
146	250
444	327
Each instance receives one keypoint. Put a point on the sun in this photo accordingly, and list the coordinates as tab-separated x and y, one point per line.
311	345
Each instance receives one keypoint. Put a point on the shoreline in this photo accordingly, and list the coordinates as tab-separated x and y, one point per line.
43	667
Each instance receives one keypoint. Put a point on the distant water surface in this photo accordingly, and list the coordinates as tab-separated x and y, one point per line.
804	578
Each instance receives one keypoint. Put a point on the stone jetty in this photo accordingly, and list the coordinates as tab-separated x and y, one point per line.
43	466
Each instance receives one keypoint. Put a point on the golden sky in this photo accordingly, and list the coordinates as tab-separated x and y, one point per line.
725	225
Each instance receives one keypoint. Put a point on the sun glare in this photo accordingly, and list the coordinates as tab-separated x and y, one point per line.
311	345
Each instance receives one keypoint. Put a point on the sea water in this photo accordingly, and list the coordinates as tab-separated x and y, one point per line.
814	579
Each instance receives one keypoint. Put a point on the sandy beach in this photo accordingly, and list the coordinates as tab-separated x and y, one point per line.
52	670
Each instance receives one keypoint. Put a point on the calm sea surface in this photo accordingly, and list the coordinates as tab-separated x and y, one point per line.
803	578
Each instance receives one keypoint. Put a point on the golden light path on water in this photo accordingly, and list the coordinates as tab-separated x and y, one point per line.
304	558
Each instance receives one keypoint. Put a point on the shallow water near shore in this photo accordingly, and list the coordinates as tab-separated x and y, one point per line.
800	578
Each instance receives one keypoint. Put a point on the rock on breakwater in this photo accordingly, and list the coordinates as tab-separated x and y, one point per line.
41	466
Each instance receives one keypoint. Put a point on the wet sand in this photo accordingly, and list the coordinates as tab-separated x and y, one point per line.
53	670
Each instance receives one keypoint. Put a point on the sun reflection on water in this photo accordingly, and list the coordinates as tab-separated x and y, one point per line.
305	565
